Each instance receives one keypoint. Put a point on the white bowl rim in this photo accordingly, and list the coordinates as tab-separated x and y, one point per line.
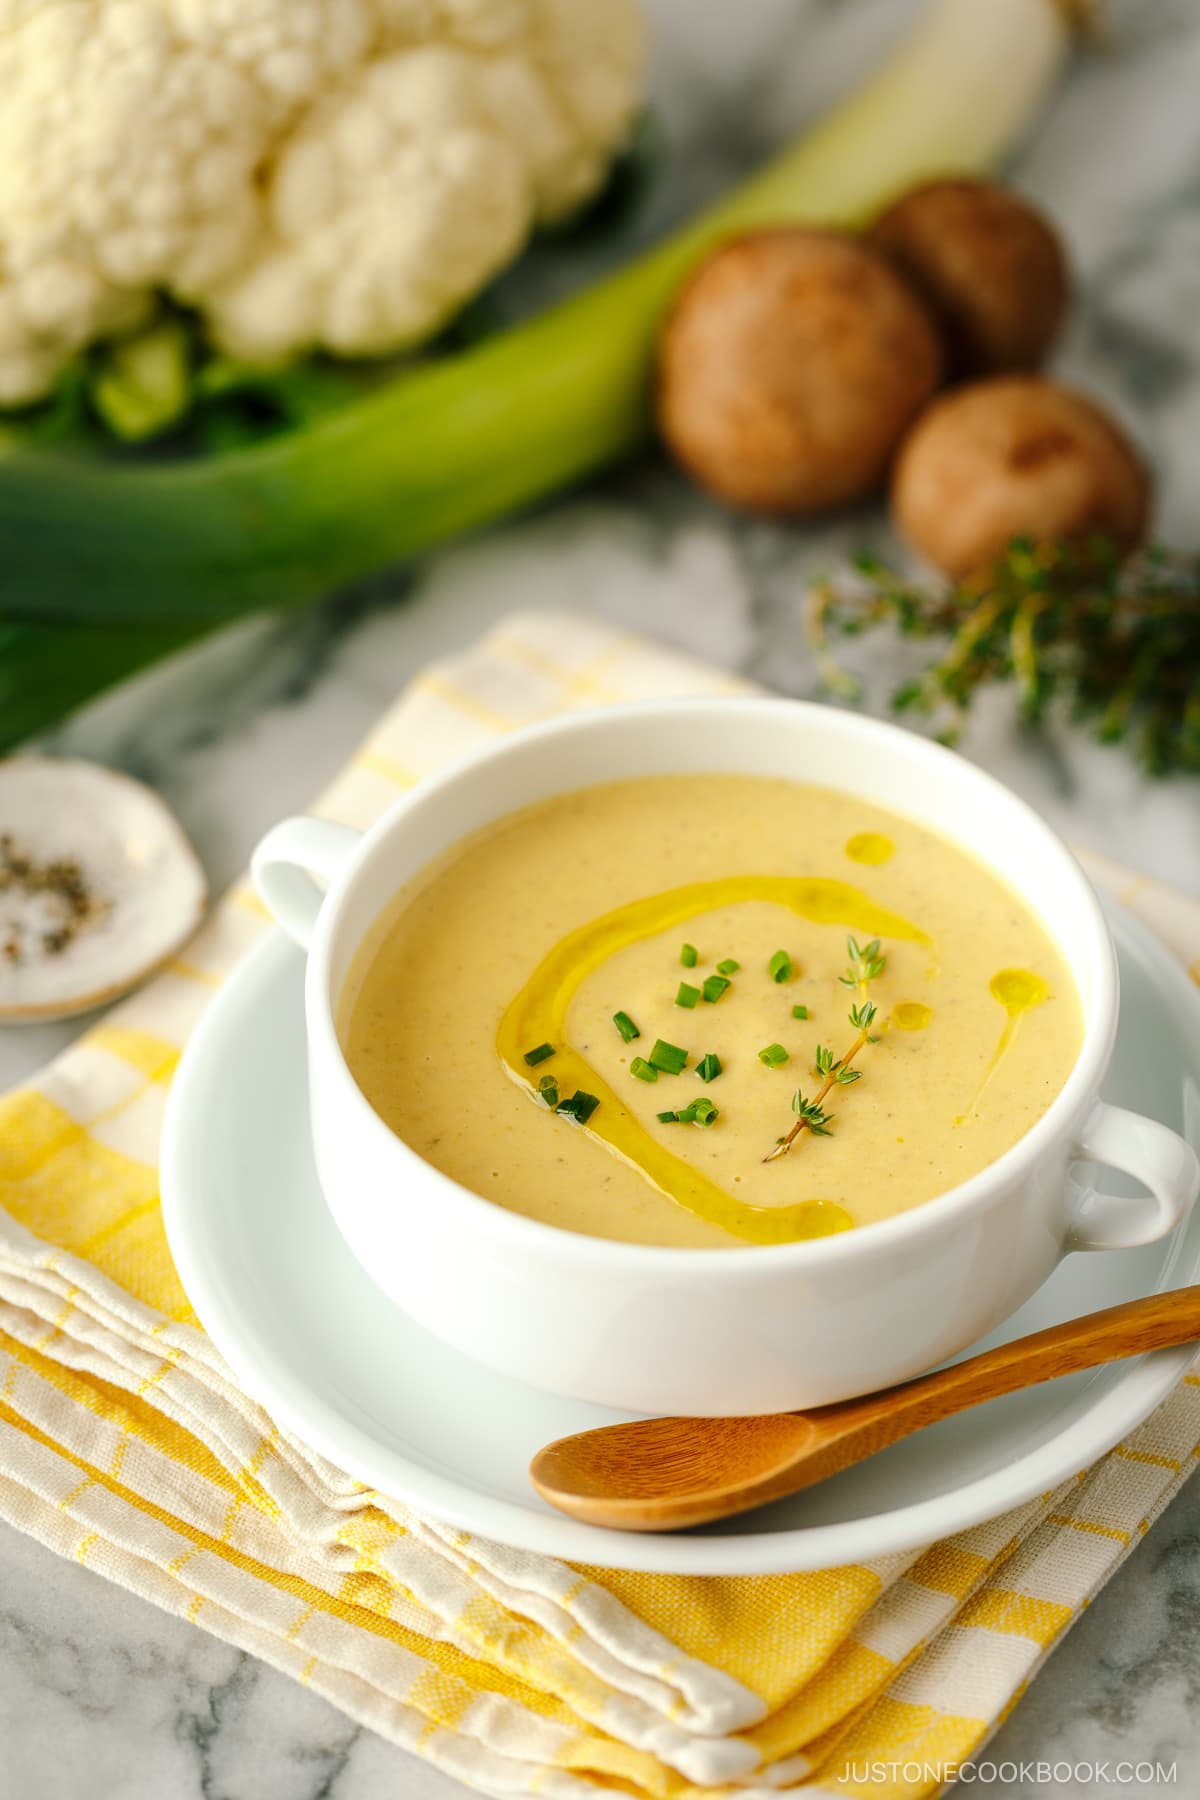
1058	1121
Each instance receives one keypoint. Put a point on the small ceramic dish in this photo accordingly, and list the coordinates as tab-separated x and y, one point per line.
98	886
717	1331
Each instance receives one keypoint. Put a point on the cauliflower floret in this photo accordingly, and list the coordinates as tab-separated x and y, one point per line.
127	163
384	209
291	50
308	173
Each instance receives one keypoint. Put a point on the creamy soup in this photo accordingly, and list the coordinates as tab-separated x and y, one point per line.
709	1010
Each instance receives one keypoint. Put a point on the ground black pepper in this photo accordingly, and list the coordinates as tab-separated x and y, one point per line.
70	902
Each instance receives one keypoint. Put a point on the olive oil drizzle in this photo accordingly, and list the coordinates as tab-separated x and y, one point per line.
1019	991
538	1013
870	847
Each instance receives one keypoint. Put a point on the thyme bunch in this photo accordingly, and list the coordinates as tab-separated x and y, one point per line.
1112	639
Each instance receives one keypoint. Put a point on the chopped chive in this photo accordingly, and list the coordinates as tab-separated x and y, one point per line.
533	1057
668	1118
641	1070
687	1114
780	966
626	1026
689	956
709	1067
579	1106
714	987
687	995
728	967
548	1090
704	1112
774	1056
668	1057
799	1012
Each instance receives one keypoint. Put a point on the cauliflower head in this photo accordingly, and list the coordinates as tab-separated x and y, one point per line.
336	174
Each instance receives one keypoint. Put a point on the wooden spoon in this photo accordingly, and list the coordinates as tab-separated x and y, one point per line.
662	1474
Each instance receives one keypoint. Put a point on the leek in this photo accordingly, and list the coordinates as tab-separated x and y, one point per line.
47	671
176	548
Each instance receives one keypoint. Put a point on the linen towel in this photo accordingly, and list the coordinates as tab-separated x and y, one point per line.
125	1442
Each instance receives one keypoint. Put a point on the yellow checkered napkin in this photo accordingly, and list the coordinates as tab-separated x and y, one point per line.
125	1443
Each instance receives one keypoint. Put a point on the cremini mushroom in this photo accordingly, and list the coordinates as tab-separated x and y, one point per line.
1016	455
988	265
789	366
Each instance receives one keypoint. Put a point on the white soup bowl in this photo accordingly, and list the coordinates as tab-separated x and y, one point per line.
743	1330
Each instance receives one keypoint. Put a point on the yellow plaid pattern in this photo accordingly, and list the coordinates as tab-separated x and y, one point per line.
125	1443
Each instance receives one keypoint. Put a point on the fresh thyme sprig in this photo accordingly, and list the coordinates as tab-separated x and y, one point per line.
866	963
1112	639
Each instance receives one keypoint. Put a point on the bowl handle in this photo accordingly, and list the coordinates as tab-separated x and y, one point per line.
1157	1156
293	866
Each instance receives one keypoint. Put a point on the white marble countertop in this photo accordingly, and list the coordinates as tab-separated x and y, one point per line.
101	1695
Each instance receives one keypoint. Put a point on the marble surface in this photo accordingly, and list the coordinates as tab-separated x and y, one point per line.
102	1696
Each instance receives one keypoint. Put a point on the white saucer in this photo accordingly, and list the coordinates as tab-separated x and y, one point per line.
310	1335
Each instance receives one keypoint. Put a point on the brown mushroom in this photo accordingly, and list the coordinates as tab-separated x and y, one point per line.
789	367
987	264
1017	455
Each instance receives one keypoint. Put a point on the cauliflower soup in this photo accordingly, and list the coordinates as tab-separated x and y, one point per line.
710	1010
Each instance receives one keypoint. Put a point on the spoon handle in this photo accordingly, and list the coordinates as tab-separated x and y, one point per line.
860	1427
